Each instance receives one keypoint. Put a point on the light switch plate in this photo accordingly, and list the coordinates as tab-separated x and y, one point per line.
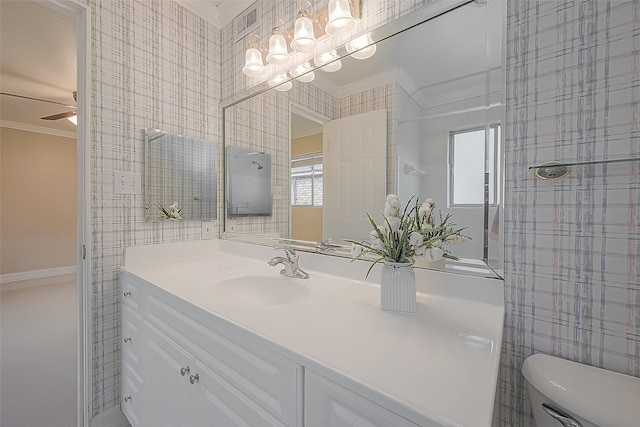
277	192
127	182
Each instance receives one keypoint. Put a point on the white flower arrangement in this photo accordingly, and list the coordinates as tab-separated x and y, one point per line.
174	213
408	235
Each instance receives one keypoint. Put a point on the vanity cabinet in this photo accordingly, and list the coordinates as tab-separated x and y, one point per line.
177	371
328	404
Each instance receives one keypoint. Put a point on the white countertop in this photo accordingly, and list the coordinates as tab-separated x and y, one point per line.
439	364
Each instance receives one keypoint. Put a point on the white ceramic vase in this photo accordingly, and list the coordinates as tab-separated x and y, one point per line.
398	287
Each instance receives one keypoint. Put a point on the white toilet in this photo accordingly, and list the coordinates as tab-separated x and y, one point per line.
570	394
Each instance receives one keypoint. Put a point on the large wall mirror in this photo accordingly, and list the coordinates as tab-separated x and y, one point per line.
422	117
180	177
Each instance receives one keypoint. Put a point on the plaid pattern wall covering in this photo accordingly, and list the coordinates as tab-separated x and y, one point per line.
154	65
572	255
234	84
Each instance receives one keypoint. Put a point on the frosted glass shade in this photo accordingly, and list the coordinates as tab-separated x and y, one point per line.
340	19
277	82
278	53
300	70
325	59
361	47
253	66
304	38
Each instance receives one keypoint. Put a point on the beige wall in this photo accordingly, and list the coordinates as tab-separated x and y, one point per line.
37	201
306	221
306	145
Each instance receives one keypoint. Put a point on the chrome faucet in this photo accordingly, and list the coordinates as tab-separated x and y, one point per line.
326	246
290	264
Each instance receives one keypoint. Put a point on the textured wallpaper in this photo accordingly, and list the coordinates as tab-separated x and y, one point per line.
572	246
154	65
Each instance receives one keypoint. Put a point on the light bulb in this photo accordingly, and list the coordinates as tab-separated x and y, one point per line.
278	53
304	38
361	47
340	19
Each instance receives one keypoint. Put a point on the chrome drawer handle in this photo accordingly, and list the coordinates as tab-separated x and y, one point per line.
126	294
128	339
184	371
194	378
127	399
560	416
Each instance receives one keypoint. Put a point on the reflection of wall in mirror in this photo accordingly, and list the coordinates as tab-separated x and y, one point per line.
306	221
261	123
181	170
249	182
423	136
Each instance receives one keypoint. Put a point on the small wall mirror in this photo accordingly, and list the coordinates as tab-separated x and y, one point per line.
248	182
180	177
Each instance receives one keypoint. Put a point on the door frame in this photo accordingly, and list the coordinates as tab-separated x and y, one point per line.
82	15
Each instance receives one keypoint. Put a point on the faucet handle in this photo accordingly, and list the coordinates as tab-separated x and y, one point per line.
291	253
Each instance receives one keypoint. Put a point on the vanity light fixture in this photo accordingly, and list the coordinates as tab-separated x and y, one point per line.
304	37
361	47
328	61
253	66
278	52
277	82
303	73
340	19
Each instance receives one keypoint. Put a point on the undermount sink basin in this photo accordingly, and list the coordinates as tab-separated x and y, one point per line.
260	290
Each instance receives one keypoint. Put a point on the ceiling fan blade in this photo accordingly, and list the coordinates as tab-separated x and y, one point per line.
60	115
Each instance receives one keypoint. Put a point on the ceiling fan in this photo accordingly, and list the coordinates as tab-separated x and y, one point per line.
58	116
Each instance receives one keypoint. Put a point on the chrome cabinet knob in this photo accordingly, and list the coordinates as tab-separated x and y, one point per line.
184	371
194	378
127	339
127	399
126	294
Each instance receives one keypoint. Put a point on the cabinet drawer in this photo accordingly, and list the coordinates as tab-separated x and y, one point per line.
267	378
132	294
328	404
131	335
130	402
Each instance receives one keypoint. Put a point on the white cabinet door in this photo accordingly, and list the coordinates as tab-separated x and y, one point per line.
167	388
328	404
217	403
354	152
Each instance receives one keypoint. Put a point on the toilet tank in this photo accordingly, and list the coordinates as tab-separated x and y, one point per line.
590	395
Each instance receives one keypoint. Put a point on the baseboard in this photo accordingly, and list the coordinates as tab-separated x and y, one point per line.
112	417
27	279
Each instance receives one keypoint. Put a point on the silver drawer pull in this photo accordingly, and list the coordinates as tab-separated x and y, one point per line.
194	378
127	399
184	370
560	416
126	294
128	339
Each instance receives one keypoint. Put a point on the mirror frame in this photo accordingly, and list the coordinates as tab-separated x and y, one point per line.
420	16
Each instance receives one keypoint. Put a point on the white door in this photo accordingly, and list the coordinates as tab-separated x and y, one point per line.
355	174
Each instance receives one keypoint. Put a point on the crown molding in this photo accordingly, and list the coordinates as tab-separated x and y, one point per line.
38	129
